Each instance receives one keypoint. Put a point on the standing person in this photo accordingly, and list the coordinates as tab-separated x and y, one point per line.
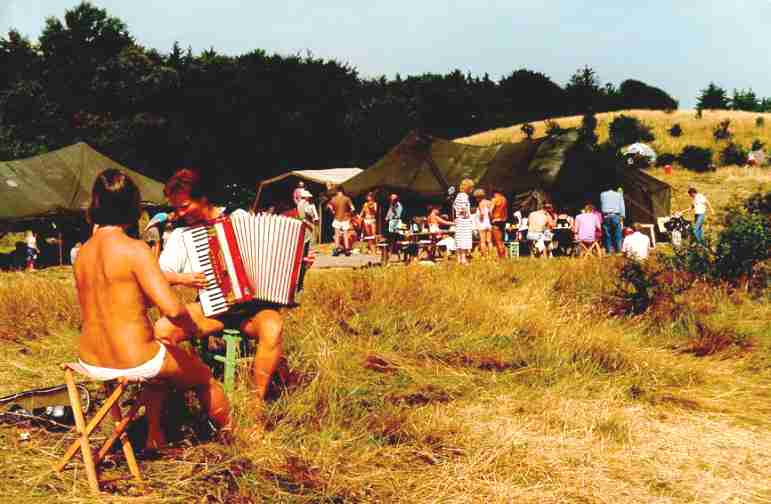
117	278
483	224
297	193
30	240
613	215
188	195
393	220
464	226
306	212
499	215
699	205
369	218
74	252
342	207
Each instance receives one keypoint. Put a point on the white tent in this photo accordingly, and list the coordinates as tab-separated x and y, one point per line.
278	190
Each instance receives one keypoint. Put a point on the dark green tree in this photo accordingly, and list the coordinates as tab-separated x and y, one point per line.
713	98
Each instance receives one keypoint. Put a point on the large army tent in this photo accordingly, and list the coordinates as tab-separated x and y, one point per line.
421	168
58	184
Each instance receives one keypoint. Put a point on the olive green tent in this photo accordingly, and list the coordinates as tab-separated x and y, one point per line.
421	168
58	184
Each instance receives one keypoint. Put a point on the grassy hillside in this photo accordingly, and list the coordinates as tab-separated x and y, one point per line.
695	131
722	187
500	382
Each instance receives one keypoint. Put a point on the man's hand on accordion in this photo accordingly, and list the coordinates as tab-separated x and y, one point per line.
194	280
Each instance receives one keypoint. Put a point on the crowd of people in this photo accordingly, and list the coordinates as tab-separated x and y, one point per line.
486	226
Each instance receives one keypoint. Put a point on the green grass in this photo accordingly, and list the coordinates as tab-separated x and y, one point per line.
499	382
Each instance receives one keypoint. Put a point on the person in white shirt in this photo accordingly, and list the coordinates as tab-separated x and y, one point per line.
637	245
699	205
186	192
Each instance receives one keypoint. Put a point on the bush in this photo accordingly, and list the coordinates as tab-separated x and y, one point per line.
698	159
759	203
760	121
743	243
665	159
625	130
721	131
553	128
733	154
757	145
528	130
675	130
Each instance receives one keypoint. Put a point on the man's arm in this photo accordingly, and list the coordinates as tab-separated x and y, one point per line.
157	289
622	205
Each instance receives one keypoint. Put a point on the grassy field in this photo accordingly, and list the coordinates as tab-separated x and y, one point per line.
511	381
696	131
500	382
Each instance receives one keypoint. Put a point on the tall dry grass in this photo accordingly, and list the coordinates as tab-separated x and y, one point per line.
498	382
696	131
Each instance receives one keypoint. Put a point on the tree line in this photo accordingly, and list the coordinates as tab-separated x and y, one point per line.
251	116
714	97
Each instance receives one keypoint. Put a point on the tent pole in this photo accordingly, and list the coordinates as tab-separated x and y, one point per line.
61	254
321	225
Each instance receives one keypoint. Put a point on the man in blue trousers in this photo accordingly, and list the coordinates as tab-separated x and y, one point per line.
613	215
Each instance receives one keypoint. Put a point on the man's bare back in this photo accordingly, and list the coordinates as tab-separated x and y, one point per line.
111	273
342	206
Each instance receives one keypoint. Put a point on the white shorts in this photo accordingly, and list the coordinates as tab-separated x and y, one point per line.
146	371
341	225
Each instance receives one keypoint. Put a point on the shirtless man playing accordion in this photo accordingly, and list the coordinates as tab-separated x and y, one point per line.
258	320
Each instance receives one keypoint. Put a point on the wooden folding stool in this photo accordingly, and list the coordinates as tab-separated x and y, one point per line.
115	389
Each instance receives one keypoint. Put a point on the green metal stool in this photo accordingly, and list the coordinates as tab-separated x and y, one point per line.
234	347
513	249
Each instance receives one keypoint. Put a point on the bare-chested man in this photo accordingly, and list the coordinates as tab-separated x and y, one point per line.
342	206
117	279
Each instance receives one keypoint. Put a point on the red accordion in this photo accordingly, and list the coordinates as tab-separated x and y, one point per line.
245	258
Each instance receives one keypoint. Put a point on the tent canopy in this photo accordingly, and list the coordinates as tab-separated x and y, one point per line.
277	190
425	166
59	184
421	167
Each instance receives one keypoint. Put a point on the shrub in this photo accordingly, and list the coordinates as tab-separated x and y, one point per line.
528	130
675	130
733	154
698	159
759	203
553	128
757	145
721	131
743	243
760	121
665	159
625	130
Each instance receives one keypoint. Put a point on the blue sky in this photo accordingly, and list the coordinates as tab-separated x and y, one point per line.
678	45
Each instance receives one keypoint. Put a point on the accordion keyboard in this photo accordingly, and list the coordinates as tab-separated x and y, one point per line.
211	297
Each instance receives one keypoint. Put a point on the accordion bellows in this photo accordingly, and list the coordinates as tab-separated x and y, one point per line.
246	258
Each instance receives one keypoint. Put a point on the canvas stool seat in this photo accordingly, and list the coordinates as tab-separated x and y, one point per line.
115	390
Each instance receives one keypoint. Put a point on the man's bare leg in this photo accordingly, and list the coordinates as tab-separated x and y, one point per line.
187	371
154	395
266	327
346	241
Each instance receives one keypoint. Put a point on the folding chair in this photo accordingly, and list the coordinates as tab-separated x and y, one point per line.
115	389
591	249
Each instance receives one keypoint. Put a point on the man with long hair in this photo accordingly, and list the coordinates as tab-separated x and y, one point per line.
117	278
